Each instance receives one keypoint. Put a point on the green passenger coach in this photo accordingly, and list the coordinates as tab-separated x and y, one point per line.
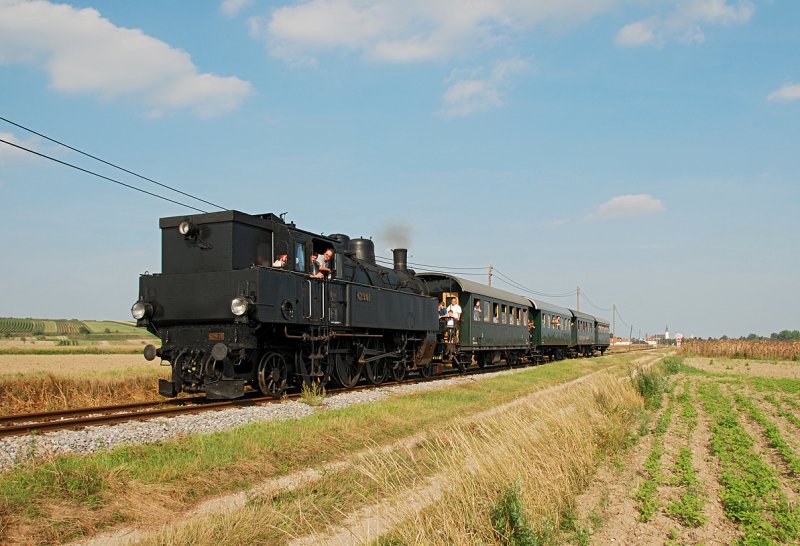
494	323
551	331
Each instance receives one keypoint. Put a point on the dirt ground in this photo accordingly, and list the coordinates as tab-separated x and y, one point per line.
70	365
608	507
755	368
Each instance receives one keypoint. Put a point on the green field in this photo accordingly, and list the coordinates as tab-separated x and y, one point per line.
37	335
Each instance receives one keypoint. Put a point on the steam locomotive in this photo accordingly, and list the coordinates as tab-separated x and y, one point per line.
230	316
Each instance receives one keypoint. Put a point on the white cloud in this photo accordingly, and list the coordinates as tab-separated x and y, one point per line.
409	30
233	7
790	91
84	53
9	153
685	22
627	206
467	93
635	34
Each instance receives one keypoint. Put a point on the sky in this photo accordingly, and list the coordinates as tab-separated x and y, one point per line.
644	152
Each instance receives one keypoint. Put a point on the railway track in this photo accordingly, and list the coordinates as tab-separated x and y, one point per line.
15	425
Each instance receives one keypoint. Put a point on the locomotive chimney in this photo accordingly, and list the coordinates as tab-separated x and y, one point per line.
400	259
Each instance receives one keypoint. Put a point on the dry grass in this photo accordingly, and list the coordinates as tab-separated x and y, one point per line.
537	456
32	383
741	348
51	392
447	489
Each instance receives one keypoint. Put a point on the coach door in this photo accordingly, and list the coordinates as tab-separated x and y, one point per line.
314	300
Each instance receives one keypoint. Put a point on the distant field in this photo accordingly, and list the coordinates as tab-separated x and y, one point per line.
34	335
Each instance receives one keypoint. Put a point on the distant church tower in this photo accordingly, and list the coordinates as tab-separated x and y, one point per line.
666	331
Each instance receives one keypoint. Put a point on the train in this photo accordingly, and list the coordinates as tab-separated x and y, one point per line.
240	305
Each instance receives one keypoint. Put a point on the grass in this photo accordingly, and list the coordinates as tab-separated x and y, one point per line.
51	392
498	477
72	349
38	494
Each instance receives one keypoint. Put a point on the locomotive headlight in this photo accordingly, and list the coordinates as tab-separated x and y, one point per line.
239	306
141	309
187	228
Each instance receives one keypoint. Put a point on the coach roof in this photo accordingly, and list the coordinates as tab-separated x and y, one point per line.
476	288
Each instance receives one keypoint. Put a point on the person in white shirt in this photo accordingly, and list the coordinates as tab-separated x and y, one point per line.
454	316
455	309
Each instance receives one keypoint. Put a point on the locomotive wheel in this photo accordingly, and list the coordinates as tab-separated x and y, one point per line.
272	375
399	370
348	371
377	371
426	371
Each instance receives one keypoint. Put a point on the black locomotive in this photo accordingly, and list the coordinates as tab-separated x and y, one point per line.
239	303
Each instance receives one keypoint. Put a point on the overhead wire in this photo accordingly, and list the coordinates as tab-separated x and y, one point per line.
87	171
587	298
520	286
28	129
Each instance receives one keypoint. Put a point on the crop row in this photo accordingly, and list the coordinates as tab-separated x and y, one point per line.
688	507
751	493
647	495
19	326
774	435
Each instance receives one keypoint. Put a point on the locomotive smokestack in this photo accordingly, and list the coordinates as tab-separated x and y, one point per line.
400	259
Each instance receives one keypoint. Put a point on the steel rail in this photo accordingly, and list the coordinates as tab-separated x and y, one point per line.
14	425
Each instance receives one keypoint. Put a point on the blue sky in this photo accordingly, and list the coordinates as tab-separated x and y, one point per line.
645	151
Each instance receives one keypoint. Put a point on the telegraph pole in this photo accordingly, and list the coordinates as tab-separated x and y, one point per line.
614	320
490	274
578	297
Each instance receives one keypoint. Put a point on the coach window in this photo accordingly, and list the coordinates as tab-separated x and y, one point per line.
496	313
487	311
299	257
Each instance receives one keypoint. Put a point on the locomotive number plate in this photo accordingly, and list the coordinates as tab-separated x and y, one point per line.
216	336
364	296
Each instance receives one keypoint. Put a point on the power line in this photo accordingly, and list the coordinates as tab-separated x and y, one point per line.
99	175
592	303
111	164
520	286
450	268
451	271
621	319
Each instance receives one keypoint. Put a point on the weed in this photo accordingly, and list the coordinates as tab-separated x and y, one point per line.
509	520
651	384
595	519
672	364
313	395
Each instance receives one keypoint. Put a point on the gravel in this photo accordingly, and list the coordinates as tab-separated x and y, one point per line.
18	449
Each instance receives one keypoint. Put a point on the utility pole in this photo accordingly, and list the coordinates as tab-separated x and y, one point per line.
614	320
490	274
578	296
630	336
